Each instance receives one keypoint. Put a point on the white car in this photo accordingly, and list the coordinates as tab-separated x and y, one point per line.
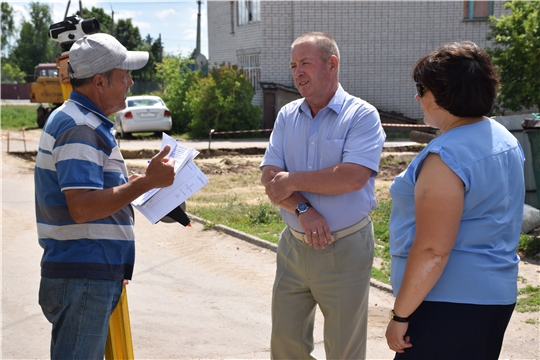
143	114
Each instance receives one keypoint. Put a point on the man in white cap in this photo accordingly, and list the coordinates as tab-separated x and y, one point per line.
83	196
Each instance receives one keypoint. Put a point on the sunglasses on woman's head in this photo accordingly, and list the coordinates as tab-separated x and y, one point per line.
420	89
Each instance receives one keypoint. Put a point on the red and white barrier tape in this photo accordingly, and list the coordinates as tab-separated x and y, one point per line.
8	136
237	131
212	132
406	125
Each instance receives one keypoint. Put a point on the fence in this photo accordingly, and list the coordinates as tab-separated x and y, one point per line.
10	138
213	132
15	91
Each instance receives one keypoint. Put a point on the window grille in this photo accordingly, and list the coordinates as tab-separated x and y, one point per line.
251	66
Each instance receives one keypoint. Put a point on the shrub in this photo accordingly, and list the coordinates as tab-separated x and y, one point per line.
222	101
529	245
178	78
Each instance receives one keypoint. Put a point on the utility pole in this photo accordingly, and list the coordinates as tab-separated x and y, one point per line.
112	21
161	60
198	48
200	59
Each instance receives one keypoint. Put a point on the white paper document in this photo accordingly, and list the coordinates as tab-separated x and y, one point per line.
189	179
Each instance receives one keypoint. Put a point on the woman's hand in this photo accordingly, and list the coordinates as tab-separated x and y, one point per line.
395	336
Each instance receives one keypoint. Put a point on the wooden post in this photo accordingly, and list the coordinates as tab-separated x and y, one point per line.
24	138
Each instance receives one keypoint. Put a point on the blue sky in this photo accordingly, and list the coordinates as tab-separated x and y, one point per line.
176	21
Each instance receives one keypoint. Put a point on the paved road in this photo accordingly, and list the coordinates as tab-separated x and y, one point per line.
195	294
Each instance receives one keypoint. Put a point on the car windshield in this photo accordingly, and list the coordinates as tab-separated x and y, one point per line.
144	102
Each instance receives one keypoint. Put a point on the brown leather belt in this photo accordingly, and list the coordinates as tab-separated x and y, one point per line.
337	234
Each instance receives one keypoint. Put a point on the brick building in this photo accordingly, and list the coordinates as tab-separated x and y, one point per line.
379	42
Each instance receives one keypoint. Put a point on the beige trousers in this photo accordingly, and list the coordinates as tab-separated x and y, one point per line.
337	279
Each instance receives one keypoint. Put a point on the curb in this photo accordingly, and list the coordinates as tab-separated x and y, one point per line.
269	245
237	234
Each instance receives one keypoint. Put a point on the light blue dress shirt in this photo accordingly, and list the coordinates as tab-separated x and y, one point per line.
347	130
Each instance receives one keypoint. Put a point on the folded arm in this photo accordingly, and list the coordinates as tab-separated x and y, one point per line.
283	189
335	180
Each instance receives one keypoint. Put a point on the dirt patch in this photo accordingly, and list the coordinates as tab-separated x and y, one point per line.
229	164
204	154
393	163
243	162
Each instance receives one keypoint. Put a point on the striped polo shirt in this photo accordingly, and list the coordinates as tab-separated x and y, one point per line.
77	150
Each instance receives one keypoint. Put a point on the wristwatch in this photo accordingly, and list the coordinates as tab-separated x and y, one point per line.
302	208
394	317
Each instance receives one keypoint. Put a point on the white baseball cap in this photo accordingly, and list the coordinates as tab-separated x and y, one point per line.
98	53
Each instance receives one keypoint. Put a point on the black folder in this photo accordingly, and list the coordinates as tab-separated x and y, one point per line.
177	215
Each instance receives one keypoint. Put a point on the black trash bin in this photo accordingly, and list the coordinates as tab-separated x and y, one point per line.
532	128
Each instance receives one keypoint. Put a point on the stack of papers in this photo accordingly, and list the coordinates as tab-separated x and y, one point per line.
157	203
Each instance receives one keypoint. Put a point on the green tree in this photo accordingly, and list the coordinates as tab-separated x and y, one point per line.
34	46
155	51
222	101
100	15
177	78
156	56
148	40
516	53
12	74
128	34
8	27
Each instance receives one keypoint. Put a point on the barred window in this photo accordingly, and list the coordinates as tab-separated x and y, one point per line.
251	66
477	10
249	11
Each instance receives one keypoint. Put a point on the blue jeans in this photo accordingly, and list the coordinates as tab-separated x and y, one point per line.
79	310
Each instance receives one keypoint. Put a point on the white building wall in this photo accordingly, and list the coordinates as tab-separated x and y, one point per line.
221	38
277	20
227	41
379	41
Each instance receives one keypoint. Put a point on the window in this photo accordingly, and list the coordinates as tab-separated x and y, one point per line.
251	66
249	11
477	10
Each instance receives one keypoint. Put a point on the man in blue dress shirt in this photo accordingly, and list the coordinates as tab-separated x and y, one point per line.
319	167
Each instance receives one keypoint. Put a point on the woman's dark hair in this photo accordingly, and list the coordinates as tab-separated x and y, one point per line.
461	78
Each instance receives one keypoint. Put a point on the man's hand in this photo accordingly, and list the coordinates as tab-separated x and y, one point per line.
315	228
278	189
160	171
